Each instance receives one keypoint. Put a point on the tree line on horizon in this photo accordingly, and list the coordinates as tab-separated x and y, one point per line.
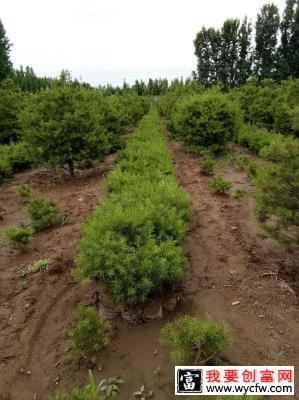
229	56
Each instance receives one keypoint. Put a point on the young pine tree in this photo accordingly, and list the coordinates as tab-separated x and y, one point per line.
64	123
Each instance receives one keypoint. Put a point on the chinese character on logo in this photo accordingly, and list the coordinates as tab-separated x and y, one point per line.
285	375
267	376
249	376
189	380
231	375
213	375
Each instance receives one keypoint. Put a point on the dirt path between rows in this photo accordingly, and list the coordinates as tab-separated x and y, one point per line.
232	272
226	265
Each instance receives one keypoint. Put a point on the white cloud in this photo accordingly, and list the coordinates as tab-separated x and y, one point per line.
108	40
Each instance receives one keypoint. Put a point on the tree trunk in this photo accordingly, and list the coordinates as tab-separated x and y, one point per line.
71	167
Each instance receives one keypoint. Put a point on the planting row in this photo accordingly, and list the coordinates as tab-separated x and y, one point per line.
209	122
133	240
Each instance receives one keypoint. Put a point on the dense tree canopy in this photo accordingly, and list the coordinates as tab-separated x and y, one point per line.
64	123
266	38
287	28
11	103
227	56
5	63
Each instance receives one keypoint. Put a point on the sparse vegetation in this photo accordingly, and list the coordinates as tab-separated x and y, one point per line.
243	161
19	237
89	335
239	193
194	340
36	267
219	185
2	211
104	390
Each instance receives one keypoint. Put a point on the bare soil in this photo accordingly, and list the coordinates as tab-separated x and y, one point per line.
228	264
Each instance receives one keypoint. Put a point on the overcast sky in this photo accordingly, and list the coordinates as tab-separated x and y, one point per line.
107	41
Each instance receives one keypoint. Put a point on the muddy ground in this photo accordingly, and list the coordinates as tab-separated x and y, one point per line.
228	264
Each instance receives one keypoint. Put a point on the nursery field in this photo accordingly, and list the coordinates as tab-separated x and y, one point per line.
151	224
230	273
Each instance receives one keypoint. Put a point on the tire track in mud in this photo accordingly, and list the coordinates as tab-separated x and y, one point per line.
36	321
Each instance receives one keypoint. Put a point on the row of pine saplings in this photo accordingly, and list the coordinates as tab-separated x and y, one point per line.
133	242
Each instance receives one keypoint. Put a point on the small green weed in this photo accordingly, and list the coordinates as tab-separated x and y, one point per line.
36	267
105	390
2	211
239	193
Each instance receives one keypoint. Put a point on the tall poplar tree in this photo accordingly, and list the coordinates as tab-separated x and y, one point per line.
228	63
207	50
295	44
244	63
287	28
266	54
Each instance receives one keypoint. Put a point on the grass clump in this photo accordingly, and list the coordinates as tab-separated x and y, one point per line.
243	161
2	211
195	340
239	193
104	390
89	335
133	240
219	185
24	191
36	267
207	166
19	237
43	213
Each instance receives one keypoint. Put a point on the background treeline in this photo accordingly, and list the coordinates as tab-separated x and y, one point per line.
27	80
231	55
64	124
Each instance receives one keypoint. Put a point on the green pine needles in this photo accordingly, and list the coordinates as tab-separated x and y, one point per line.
89	335
133	240
195	340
